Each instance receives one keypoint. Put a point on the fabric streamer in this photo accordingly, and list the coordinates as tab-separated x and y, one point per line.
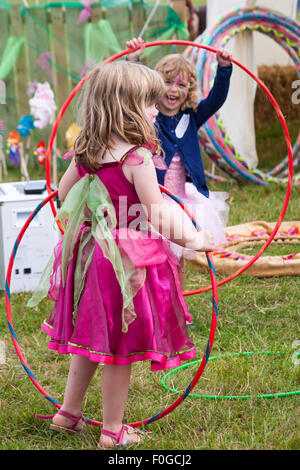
174	25
10	55
100	33
88	66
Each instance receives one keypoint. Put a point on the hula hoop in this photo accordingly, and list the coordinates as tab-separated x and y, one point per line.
226	397
214	284
212	135
26	366
272	100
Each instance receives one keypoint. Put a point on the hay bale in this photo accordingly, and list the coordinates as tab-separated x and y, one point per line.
279	81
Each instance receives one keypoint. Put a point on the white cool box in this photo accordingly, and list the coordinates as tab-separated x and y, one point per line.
17	201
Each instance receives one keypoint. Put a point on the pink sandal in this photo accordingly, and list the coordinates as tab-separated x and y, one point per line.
73	428
118	437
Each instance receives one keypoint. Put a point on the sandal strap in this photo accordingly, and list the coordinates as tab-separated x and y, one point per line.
73	418
118	436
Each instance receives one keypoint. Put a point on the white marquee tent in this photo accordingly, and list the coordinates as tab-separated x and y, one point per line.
252	50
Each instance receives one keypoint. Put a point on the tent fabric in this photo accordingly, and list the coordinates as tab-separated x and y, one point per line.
252	50
237	113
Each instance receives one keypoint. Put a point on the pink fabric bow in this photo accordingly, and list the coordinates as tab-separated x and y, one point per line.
85	13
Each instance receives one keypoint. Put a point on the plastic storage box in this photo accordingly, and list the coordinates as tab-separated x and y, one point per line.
17	201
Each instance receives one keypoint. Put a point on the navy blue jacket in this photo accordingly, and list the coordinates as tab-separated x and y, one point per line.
188	145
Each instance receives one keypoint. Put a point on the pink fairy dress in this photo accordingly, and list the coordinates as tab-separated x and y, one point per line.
209	213
113	279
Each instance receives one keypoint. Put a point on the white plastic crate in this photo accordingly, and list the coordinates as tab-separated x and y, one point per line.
38	241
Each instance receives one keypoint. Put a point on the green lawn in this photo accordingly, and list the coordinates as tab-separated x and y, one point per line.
254	315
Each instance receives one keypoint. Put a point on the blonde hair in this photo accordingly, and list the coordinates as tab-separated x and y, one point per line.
114	104
173	65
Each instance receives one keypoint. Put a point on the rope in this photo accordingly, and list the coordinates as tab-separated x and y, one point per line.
149	18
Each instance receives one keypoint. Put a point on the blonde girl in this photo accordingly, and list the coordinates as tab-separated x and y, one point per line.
113	278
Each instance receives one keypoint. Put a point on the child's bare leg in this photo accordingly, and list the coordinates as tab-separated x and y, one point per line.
81	372
115	384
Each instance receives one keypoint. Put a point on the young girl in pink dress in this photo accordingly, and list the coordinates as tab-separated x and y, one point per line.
113	277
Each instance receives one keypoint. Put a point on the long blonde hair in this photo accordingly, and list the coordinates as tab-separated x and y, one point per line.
114	104
173	65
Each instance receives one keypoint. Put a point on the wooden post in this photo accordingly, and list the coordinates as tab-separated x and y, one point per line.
96	14
23	166
76	49
37	28
27	149
2	160
21	68
138	18
62	79
180	7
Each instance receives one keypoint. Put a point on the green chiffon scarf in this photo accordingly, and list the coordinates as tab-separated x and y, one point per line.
89	212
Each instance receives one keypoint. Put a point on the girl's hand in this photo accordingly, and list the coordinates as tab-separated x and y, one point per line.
133	44
223	57
202	241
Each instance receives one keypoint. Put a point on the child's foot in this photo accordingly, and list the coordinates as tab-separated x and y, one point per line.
127	436
65	421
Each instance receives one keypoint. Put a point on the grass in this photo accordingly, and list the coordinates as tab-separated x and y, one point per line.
254	315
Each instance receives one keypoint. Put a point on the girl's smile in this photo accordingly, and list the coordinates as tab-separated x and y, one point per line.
176	91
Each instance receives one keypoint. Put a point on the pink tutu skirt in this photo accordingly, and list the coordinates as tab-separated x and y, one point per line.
209	213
